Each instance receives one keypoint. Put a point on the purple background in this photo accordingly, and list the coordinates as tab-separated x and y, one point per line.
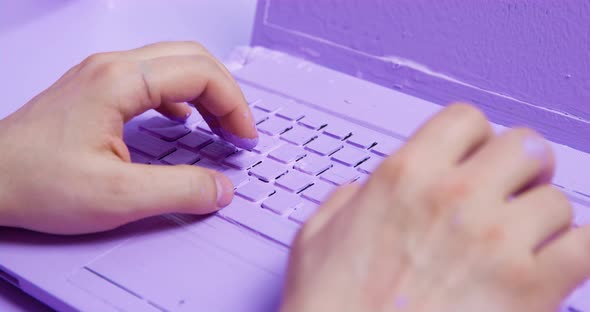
523	62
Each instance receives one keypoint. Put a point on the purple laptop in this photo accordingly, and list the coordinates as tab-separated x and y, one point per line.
334	89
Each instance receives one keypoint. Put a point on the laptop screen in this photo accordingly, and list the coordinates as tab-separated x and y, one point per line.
522	63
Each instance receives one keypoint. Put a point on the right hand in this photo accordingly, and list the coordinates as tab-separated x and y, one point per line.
458	220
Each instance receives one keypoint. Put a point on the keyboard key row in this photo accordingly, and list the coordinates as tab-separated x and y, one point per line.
268	170
324	145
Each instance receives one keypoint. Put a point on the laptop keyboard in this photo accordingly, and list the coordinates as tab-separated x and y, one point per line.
302	156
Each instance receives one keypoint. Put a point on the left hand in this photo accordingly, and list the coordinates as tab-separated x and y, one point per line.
64	167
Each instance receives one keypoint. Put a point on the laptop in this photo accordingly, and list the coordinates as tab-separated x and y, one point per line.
328	110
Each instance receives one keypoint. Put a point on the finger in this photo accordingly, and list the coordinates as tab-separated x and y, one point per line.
330	207
175	111
450	135
178	48
564	262
219	95
545	212
511	162
153	190
186	78
173	48
209	118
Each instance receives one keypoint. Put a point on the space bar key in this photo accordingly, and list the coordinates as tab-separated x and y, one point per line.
260	221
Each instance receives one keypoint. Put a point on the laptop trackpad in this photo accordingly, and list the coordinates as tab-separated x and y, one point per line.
207	266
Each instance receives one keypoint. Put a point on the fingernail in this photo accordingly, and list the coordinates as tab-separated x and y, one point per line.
183	118
225	190
536	147
245	143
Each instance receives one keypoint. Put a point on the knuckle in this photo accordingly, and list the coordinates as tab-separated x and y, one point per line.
206	63
470	116
466	112
196	47
113	70
97	58
397	167
521	133
449	193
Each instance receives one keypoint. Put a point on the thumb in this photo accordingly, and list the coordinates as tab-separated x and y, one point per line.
153	190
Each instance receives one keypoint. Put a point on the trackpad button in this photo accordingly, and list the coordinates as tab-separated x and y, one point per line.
183	271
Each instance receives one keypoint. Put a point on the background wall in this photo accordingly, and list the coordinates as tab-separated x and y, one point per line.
525	62
41	39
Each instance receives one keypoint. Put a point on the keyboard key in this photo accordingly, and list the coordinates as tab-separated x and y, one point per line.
218	150
268	170
270	103
294	181
581	214
281	202
287	153
291	113
266	143
303	212
338	130
362	178
340	175
205	128
318	192
252	94
181	157
362	138
237	177
313	122
313	164
195	140
138	158
387	147
148	145
260	221
259	115
369	165
206	163
242	159
165	128
299	135
255	190
158	122
194	119
274	126
580	300
324	145
350	156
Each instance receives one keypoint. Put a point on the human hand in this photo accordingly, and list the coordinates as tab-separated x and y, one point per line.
458	220
64	167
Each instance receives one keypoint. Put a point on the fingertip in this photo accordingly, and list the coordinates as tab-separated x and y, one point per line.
241	142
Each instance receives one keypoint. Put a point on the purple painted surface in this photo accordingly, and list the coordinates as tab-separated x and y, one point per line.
523	62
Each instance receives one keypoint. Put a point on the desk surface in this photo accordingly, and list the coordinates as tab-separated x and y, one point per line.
40	40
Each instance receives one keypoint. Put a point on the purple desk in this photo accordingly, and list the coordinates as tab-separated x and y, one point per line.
40	40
